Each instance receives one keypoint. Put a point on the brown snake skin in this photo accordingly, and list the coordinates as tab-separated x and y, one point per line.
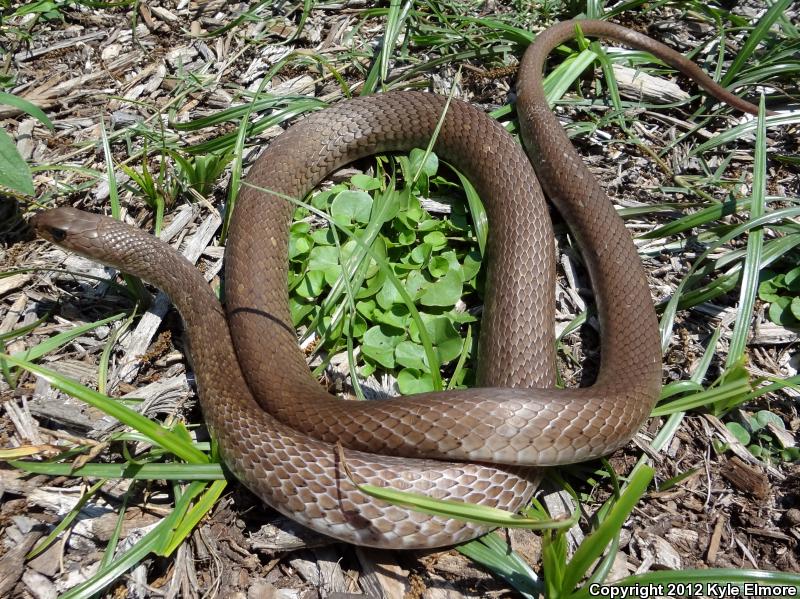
275	425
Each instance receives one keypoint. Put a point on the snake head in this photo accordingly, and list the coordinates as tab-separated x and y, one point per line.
108	241
68	227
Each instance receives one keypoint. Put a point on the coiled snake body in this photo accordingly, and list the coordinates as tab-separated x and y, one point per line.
276	427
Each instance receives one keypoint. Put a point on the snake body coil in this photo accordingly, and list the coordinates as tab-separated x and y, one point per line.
276	427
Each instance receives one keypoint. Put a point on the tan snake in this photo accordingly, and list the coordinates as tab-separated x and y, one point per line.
279	439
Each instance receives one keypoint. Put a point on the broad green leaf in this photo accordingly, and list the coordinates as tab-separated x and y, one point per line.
794	307
323	258
398	316
436	239
444	336
438	266
444	292
365	182
299	310
419	162
379	344
405	235
470	266
299	244
421	254
780	311
792	279
311	284
415	281
322	200
738	431
411	381
14	171
366	308
765	417
411	355
388	296
351	206
770	289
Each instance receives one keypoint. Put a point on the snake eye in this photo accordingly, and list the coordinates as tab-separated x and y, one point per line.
58	234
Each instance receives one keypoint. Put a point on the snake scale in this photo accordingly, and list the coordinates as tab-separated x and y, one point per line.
276	427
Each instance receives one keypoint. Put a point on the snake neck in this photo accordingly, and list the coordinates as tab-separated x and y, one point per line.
208	335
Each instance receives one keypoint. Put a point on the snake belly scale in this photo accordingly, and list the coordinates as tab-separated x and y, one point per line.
277	428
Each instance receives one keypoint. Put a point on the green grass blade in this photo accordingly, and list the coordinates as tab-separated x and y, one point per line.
105	357
758	34
146	545
564	75
675	301
755	239
108	575
737	388
469	512
477	212
236	168
396	18
734	134
66	520
183	507
23	330
26	107
516	35
491	552
200	508
56	341
113	541
594	545
182	472
224	143
159	435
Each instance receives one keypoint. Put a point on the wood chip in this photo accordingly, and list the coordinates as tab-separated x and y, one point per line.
637	85
770	534
13	314
13	282
439	588
382	576
103	526
560	505
713	545
27	428
746	478
784	437
769	333
12	564
657	551
28	54
323	572
286	535
39	586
